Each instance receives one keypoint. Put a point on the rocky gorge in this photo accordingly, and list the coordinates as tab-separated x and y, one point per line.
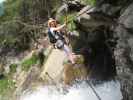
104	39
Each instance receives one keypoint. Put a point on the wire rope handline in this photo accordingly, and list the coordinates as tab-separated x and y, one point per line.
90	84
93	89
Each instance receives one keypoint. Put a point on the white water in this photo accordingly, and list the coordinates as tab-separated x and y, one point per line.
107	91
2	1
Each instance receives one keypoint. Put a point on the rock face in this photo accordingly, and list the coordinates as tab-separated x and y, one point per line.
124	51
53	68
90	18
94	28
106	32
77	71
57	72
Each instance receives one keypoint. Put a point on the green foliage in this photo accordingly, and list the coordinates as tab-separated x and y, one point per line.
90	2
11	9
27	63
1	9
6	85
70	24
15	36
13	68
11	36
9	30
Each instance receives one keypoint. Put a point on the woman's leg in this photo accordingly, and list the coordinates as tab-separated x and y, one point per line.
69	53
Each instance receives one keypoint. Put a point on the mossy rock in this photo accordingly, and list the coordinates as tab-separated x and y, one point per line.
1	68
77	71
78	60
13	68
6	86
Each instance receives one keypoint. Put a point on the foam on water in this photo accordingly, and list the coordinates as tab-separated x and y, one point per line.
82	91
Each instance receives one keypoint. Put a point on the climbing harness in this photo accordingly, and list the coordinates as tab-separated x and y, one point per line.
56	39
51	37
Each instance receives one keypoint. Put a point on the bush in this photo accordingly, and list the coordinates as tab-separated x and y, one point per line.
5	86
90	2
11	37
70	18
27	63
11	10
13	68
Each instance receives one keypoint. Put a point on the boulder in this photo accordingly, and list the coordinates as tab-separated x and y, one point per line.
53	68
75	5
77	71
89	19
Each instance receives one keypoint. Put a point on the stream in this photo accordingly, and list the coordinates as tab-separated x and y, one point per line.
80	91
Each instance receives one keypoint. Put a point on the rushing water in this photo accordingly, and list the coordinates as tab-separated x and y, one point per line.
2	1
82	91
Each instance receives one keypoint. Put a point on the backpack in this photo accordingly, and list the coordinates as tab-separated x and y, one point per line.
51	37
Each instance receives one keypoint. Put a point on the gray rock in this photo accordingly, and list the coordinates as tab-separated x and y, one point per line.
109	9
85	10
89	18
63	9
69	7
127	17
124	52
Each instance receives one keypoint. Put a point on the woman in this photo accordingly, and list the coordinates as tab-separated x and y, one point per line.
60	42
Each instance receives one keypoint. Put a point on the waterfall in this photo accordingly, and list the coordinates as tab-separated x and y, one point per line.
1	8
81	91
2	1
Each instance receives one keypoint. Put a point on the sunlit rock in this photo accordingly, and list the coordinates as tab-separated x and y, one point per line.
77	71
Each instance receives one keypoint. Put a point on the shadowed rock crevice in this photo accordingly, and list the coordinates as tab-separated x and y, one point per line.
97	43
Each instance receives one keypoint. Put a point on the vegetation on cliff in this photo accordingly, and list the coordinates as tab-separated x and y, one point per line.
104	29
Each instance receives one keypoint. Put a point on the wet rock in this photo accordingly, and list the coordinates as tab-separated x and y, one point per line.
90	26
78	71
123	52
25	80
96	34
